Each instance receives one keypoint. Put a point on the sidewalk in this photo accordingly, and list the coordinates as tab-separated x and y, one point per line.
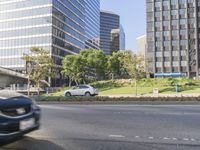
153	95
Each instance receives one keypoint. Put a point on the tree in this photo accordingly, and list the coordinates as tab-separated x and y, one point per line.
74	68
41	65
115	63
135	66
96	62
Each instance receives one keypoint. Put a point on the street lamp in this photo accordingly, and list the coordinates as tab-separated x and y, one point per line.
28	71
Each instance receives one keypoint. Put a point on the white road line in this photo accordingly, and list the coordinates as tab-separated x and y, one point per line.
166	138
151	138
185	139
137	137
56	107
116	136
174	139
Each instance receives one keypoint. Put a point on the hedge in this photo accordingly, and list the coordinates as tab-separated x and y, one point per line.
104	99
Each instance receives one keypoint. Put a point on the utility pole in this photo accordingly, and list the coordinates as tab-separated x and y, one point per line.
28	71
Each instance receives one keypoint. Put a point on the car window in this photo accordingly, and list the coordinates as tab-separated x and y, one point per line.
84	87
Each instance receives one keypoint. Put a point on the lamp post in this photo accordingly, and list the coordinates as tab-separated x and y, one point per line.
28	71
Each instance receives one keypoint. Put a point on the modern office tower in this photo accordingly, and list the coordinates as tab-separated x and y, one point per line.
92	19
61	27
115	40
122	38
141	45
173	37
112	36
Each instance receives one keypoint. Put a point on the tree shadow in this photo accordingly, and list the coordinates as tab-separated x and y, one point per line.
173	89
28	143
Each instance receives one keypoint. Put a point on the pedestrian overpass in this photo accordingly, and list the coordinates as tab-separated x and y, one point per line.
8	77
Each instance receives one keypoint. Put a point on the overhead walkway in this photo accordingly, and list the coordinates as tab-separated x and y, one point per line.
8	77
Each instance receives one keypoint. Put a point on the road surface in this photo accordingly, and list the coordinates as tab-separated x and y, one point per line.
115	127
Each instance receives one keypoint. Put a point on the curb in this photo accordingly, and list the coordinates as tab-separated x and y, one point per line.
120	102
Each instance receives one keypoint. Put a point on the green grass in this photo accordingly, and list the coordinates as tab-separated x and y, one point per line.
125	90
145	86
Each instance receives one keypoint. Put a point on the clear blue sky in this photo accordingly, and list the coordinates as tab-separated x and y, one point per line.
132	14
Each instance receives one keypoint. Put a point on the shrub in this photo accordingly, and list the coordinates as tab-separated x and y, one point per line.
104	99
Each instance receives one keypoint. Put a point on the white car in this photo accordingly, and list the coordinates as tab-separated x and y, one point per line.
82	90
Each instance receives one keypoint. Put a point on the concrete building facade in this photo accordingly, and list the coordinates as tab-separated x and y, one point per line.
141	45
173	37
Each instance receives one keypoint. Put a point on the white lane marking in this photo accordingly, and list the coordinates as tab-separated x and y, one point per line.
151	138
174	139
57	107
166	138
185	139
116	136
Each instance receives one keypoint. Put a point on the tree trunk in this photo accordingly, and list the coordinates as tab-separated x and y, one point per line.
28	85
112	76
76	82
136	87
84	81
70	82
38	89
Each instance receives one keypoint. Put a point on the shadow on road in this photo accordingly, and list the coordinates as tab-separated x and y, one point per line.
27	143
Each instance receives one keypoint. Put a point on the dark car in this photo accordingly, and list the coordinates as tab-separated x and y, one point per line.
18	115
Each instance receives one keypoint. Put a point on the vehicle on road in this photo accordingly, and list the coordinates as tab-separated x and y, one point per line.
82	90
18	115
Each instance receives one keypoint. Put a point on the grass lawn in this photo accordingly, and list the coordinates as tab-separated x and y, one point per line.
165	86
131	90
148	90
124	90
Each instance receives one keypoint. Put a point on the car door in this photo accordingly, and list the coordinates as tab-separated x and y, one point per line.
74	91
83	89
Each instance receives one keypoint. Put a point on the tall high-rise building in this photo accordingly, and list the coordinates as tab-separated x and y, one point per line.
173	37
122	38
92	19
61	27
112	36
141	45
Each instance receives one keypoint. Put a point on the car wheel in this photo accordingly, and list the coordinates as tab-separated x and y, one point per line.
68	94
87	94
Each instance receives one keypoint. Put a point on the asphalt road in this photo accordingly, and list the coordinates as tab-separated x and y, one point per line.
115	127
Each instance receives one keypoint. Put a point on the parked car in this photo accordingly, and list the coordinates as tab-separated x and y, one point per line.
82	90
18	115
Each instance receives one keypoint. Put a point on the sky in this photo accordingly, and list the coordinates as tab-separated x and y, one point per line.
132	13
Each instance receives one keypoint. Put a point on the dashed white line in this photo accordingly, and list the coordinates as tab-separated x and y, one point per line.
185	139
116	136
151	138
192	140
166	138
174	139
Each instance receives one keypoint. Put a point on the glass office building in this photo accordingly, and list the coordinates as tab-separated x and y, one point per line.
173	37
61	27
92	19
112	36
